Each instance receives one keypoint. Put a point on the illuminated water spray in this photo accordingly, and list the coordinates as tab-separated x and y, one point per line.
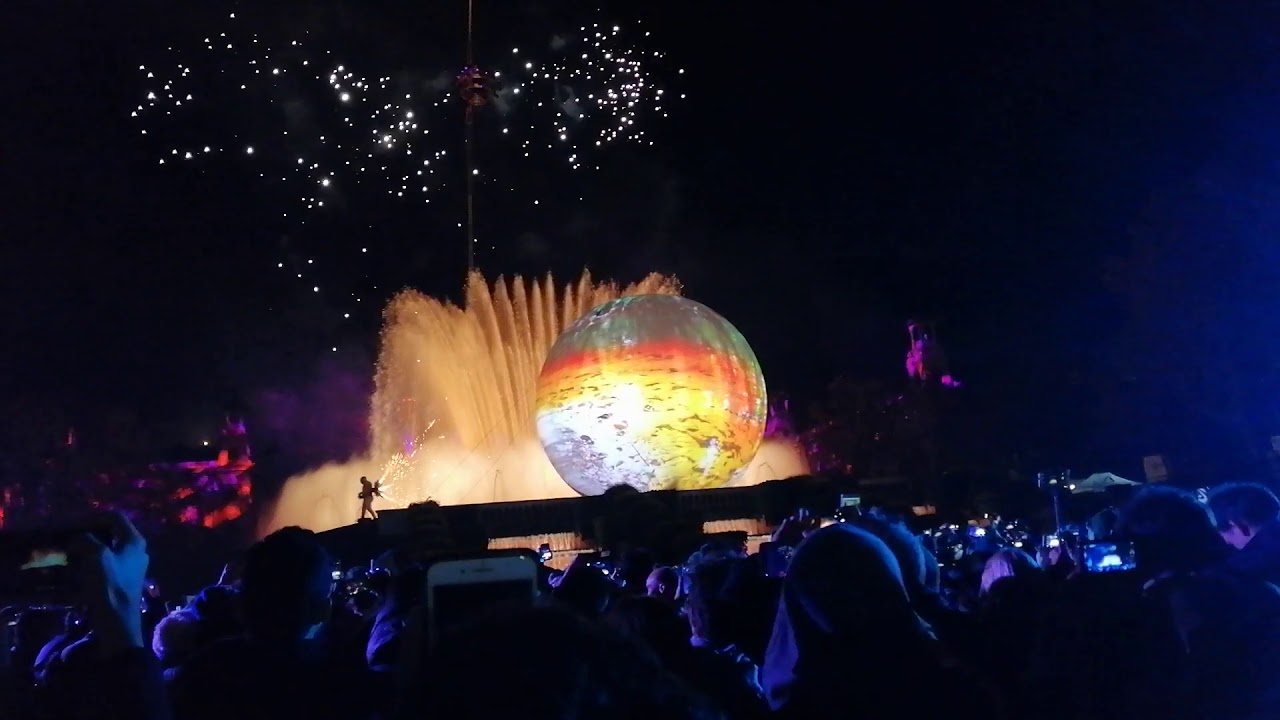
470	375
452	415
454	405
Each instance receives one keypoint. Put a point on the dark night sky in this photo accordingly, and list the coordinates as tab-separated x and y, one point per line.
1080	193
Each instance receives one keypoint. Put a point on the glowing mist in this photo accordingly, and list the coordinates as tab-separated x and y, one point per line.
453	405
452	417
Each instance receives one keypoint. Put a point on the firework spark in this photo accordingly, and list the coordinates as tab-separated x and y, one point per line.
336	127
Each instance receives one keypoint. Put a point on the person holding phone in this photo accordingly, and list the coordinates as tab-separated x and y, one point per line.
549	663
845	625
110	672
1226	625
286	653
73	630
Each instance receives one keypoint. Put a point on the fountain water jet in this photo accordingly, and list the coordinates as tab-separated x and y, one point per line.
452	416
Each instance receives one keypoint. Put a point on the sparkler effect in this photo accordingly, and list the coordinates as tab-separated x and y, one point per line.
592	91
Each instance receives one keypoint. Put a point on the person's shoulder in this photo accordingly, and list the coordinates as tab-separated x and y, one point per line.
1269	535
727	663
217	655
1230	578
231	645
1224	593
77	649
957	685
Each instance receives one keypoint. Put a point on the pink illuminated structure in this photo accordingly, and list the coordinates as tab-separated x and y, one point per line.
926	360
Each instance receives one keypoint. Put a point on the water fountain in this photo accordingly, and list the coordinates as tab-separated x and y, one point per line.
452	415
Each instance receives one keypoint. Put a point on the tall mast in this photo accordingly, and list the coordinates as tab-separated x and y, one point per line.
469	141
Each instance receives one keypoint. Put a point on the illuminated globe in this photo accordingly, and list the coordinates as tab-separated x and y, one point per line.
653	391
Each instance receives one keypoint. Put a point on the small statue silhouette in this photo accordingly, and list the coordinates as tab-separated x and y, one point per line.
926	360
368	491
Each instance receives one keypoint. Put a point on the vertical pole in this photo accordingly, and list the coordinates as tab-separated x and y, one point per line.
469	150
470	17
1055	492
469	142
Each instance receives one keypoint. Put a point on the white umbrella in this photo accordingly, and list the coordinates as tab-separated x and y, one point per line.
1099	482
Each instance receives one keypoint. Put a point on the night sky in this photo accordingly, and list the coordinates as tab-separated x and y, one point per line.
1082	195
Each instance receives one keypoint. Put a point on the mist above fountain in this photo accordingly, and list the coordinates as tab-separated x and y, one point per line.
455	399
452	415
456	389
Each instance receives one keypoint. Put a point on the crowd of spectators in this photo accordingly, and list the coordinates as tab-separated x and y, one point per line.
863	623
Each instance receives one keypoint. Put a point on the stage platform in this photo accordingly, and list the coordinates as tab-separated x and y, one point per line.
571	524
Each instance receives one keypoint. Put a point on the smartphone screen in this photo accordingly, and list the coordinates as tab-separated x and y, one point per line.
461	591
34	570
1052	541
1103	557
455	605
44	558
775	558
45	573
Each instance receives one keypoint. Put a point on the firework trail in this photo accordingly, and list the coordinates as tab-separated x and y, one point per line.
305	118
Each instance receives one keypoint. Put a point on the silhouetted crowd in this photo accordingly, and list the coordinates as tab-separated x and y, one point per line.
863	622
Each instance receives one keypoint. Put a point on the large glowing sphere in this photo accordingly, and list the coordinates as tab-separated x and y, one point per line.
653	391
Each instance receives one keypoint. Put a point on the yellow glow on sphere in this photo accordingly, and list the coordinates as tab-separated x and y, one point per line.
653	391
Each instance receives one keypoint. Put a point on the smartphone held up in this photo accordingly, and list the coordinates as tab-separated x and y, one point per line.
38	566
1112	556
459	591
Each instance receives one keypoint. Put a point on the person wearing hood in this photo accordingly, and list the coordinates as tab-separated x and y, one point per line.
1248	518
846	641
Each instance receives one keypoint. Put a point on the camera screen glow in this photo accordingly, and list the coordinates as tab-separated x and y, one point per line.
45	558
1109	557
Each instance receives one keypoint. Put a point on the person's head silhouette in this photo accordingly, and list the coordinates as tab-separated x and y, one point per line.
286	586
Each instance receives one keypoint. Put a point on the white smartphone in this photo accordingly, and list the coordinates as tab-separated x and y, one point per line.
459	590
